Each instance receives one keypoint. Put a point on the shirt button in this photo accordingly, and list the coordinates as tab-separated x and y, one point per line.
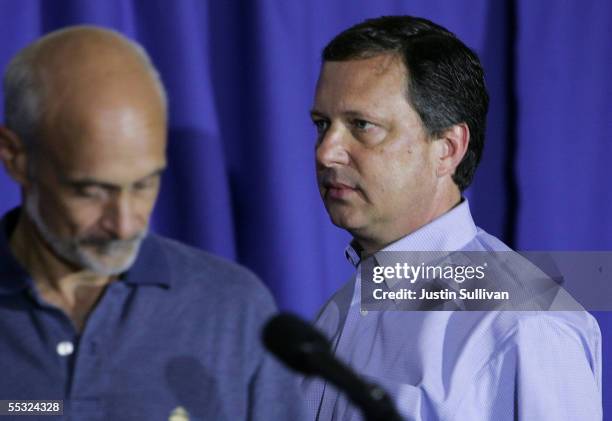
65	348
364	312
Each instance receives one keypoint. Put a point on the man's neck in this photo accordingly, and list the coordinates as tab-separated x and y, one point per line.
371	244
33	252
56	281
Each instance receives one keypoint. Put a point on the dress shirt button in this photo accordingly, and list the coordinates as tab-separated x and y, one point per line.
65	348
364	312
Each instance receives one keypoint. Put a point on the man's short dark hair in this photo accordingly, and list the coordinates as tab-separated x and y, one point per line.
445	78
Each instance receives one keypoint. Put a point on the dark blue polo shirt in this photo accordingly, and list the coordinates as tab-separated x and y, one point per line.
178	333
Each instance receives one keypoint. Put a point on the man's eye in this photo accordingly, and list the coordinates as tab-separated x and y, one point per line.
146	184
362	124
321	125
90	192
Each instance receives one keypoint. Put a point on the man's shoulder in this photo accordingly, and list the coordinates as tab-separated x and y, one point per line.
191	267
509	321
578	324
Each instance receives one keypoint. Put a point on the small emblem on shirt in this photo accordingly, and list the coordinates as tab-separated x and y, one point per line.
179	414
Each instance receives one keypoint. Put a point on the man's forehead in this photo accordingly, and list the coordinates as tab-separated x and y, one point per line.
121	122
369	67
361	83
119	172
362	76
101	142
116	180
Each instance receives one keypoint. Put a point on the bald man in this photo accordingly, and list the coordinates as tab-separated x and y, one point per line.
117	322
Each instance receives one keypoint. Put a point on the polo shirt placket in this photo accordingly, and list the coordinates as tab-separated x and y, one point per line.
81	359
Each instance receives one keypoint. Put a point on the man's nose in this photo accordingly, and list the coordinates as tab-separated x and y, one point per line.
332	148
120	217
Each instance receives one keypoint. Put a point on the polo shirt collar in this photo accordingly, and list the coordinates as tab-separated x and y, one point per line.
151	266
13	277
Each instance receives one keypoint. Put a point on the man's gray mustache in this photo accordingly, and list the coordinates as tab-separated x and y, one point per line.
112	243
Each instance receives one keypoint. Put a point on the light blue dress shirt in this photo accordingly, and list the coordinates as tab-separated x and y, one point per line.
462	365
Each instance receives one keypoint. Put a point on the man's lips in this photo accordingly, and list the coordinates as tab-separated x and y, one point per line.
339	190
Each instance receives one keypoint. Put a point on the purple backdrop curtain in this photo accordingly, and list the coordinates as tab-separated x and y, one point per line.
240	77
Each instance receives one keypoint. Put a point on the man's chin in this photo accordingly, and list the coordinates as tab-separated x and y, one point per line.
107	265
106	268
349	222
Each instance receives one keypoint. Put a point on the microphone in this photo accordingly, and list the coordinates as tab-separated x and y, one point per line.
304	349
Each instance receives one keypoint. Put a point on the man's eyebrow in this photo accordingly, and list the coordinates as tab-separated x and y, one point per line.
316	113
89	182
349	114
85	182
353	114
155	173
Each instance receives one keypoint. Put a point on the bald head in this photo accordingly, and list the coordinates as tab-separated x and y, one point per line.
82	62
90	110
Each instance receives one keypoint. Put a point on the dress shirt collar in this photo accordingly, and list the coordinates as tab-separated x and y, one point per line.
449	232
150	267
353	253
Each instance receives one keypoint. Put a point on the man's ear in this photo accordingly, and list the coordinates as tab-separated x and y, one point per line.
453	144
13	156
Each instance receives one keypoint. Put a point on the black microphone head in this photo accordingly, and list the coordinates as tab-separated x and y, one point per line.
295	342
